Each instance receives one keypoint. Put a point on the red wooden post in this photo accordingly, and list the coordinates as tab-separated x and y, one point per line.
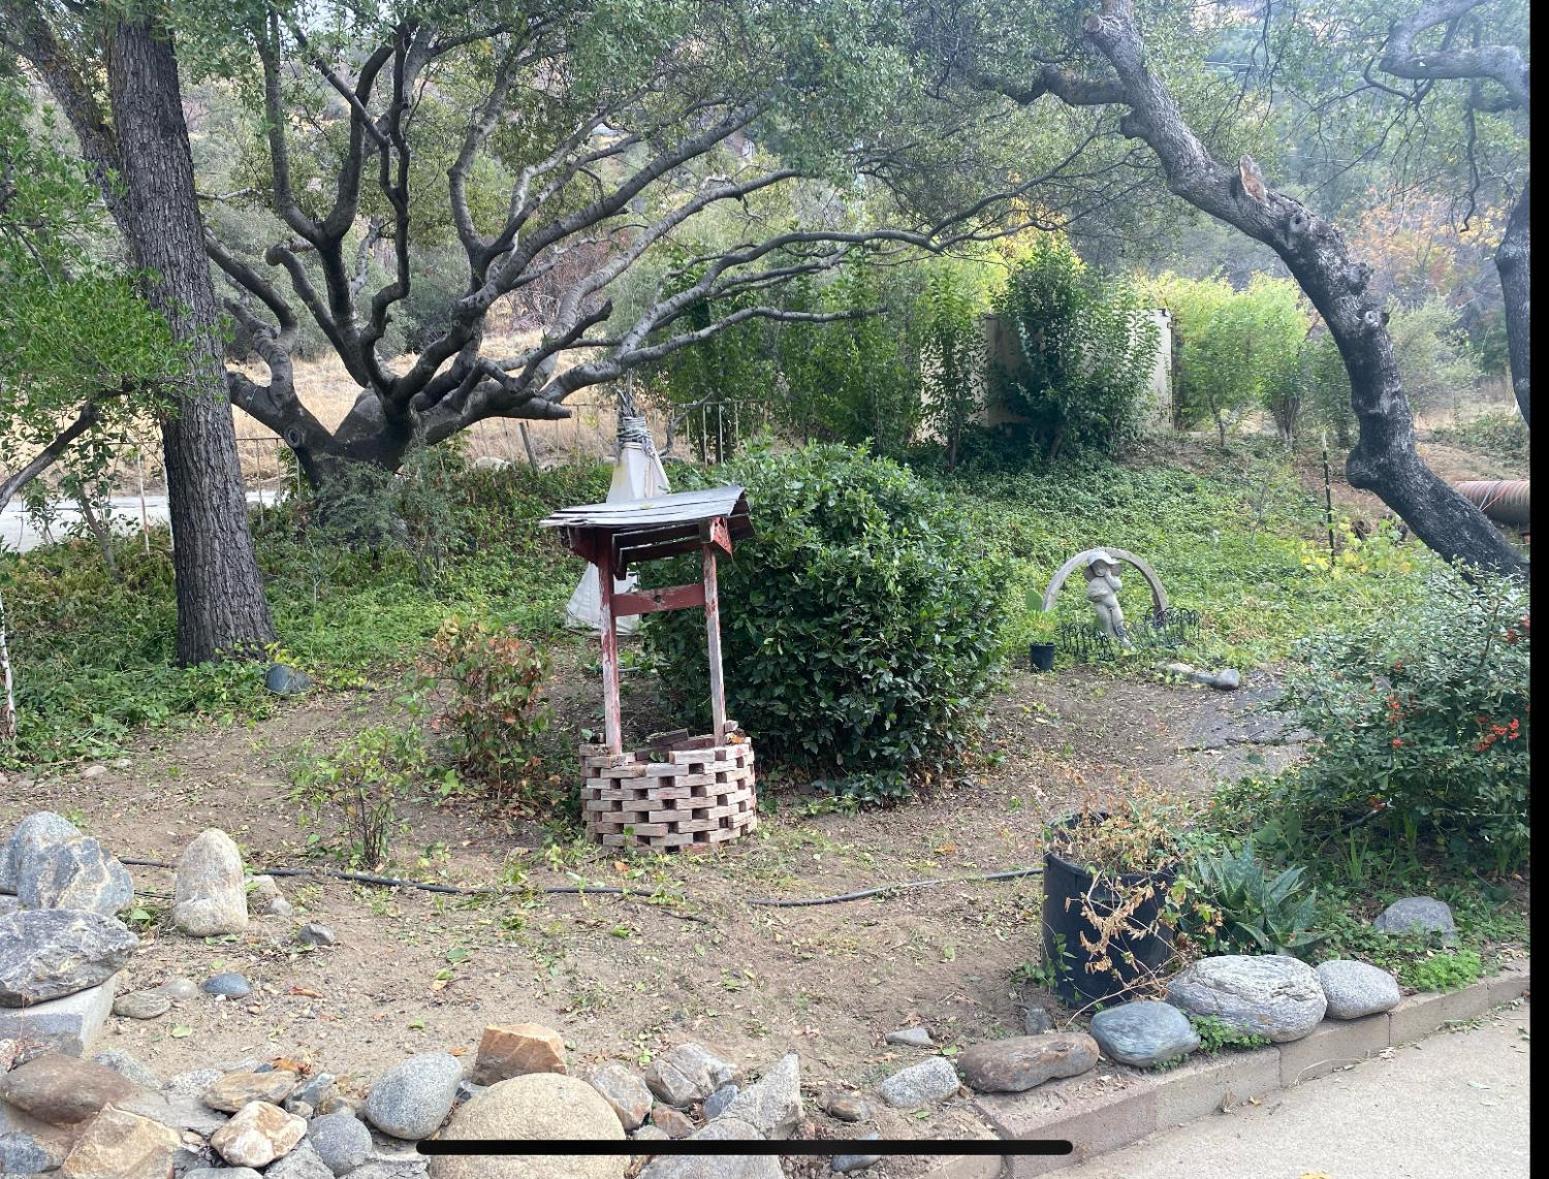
611	709
713	635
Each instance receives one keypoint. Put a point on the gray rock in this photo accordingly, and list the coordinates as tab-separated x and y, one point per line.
126	1065
723	1129
223	1173
50	953
1144	1033
688	1073
228	984
210	896
303	1162
845	1164
179	990
1022	1062
192	1083
284	680
31	1151
264	899
1228	679
1036	1021
315	934
74	874
412	1099
35	833
69	1025
627	1094
920	1084
716	1103
316	1089
1417	915
911	1038
341	1140
180	1112
142	1005
1270	995
393	1169
649	1133
9	904
772	1104
1354	989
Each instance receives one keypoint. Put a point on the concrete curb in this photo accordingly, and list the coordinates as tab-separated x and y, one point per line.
1103	1112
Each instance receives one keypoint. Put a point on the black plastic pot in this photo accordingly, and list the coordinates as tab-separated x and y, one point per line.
1041	656
1068	890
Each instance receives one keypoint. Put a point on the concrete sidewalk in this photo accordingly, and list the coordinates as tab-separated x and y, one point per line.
1451	1106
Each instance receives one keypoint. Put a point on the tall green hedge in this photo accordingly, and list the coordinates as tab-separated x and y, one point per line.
859	625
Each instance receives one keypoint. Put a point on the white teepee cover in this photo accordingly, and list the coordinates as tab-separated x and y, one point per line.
637	474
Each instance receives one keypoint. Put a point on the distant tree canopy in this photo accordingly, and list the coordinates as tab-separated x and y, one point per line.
637	178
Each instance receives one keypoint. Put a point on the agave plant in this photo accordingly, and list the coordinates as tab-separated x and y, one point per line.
1240	907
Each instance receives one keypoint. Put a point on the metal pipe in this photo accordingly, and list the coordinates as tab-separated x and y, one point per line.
1503	500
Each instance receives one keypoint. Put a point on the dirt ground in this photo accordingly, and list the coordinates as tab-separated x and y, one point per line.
623	977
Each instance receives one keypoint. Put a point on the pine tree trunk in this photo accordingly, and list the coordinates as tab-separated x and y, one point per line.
220	595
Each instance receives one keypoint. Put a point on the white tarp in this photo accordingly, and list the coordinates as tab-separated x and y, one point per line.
637	474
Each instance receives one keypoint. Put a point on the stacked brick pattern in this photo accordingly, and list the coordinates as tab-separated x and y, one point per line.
688	800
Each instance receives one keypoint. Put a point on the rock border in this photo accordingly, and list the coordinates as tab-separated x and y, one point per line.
1139	1103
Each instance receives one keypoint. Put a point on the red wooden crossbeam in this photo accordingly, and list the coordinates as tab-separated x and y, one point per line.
677	597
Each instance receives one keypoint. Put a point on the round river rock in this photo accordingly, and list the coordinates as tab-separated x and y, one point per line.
536	1106
1270	995
1144	1033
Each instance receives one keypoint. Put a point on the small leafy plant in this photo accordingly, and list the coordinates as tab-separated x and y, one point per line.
497	711
1216	1035
359	787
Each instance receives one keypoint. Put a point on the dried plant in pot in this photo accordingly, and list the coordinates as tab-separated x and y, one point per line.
1110	870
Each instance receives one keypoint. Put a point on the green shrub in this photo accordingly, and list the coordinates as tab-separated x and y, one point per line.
1421	720
853	381
497	711
358	788
1080	350
858	626
1234	351
1238	907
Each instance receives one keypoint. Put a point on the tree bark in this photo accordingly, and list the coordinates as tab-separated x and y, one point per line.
220	595
1512	259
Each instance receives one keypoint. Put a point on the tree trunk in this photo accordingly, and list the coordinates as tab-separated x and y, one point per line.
220	595
1512	261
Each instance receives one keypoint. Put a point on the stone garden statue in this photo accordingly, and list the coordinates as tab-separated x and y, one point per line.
1102	590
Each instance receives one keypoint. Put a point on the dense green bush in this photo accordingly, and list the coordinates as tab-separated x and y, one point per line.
1080	349
1421	720
1234	351
859	625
